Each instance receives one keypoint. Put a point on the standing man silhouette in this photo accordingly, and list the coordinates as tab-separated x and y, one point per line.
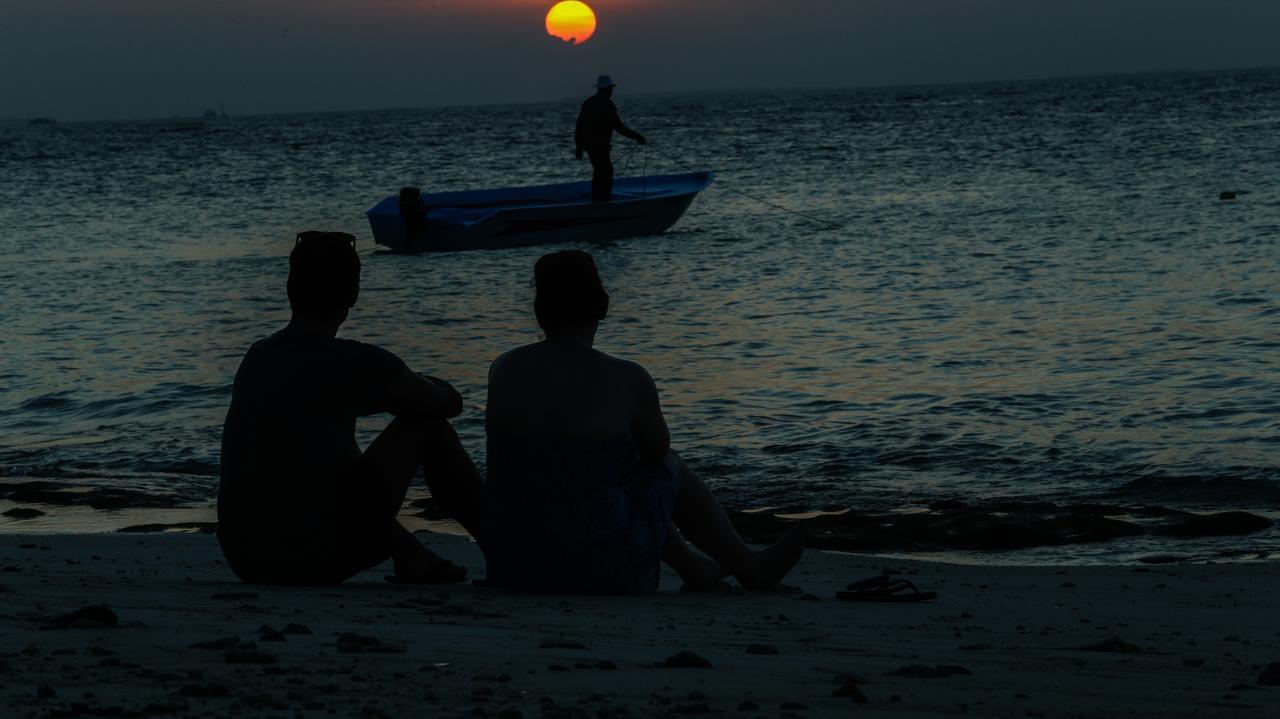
596	124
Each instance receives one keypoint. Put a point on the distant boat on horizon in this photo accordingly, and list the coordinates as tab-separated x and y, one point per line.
42	121
212	114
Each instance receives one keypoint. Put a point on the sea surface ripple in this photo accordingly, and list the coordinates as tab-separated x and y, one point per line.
1028	289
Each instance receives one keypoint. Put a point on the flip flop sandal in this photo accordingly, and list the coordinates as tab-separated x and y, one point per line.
884	589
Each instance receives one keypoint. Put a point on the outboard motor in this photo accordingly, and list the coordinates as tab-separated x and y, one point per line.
414	214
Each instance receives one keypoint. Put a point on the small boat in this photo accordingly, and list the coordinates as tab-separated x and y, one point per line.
523	216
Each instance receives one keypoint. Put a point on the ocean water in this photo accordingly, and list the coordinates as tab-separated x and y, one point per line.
1025	290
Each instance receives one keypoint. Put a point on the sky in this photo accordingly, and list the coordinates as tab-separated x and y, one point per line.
118	59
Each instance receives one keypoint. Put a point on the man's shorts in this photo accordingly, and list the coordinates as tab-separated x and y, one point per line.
360	532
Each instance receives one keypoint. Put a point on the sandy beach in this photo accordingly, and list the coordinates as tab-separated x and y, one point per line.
183	638
981	295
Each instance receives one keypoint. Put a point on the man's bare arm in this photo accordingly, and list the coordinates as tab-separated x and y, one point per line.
625	131
628	132
415	395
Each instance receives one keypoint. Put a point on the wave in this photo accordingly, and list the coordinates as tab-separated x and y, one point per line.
1221	491
1003	526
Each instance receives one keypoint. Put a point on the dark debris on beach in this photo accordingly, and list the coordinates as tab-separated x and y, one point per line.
685	660
64	494
944	525
996	526
98	616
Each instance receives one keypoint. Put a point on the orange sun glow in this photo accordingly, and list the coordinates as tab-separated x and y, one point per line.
571	21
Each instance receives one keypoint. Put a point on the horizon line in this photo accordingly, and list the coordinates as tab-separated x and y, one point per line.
662	93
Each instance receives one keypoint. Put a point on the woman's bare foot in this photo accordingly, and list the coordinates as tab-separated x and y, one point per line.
702	574
773	563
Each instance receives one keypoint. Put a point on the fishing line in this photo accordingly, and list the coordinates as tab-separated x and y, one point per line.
825	223
627	162
644	175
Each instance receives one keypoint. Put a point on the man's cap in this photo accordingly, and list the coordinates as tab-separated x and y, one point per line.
604	82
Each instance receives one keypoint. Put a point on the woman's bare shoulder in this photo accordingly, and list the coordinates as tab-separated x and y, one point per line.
511	357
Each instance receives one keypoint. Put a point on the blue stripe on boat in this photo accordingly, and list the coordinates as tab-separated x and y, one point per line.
521	216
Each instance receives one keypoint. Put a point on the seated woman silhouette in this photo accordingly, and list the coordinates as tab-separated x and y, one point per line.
584	493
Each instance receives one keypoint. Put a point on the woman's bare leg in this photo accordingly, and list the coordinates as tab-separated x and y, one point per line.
703	521
699	573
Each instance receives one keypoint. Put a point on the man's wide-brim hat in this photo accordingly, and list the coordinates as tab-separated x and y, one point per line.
605	81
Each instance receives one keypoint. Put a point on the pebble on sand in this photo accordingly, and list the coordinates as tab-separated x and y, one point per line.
850	691
232	596
921	671
248	654
204	691
94	617
685	660
1115	645
350	643
561	644
217	645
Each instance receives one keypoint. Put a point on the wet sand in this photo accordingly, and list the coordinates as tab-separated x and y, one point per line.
1143	533
1175	640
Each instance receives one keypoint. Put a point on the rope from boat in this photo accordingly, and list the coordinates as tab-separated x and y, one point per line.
825	223
627	162
644	176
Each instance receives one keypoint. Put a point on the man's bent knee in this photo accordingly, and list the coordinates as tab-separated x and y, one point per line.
430	428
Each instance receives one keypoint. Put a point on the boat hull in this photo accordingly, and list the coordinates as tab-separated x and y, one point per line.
520	217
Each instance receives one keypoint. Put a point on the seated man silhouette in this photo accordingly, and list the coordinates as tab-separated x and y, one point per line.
298	502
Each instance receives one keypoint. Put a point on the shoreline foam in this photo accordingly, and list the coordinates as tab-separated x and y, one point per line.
990	532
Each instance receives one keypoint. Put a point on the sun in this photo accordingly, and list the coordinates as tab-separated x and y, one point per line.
572	21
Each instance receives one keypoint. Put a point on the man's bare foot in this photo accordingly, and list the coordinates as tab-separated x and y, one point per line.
703	574
443	572
415	564
772	564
